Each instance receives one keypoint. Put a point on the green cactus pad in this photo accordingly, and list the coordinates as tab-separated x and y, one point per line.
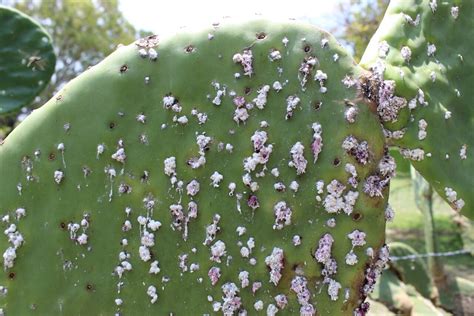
414	272
458	296
125	145
27	59
426	47
403	298
378	309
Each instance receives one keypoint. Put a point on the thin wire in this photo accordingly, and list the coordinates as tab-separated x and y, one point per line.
432	254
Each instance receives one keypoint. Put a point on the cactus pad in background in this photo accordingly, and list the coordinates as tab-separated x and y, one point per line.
27	59
403	298
414	272
425	49
228	170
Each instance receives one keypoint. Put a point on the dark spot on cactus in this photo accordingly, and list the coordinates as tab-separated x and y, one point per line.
312	251
51	156
11	275
111	125
90	287
123	69
307	48
356	216
63	225
86	171
247	90
59	97
317	105
336	162
369	89
349	103
297	266
189	49
261	35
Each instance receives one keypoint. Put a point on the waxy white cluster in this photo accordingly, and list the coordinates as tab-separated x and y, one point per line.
15	238
244	59
275	263
73	228
305	69
282	215
452	197
317	144
203	143
298	160
335	202
291	103
299	286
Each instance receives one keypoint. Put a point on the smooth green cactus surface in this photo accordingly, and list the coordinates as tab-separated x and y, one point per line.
426	49
256	124
27	59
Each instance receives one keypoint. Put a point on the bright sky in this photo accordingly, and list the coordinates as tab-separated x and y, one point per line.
163	17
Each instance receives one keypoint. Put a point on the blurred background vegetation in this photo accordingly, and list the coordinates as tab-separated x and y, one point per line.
85	31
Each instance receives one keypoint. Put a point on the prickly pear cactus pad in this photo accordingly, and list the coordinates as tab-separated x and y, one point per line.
423	51
229	171
413	271
27	59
